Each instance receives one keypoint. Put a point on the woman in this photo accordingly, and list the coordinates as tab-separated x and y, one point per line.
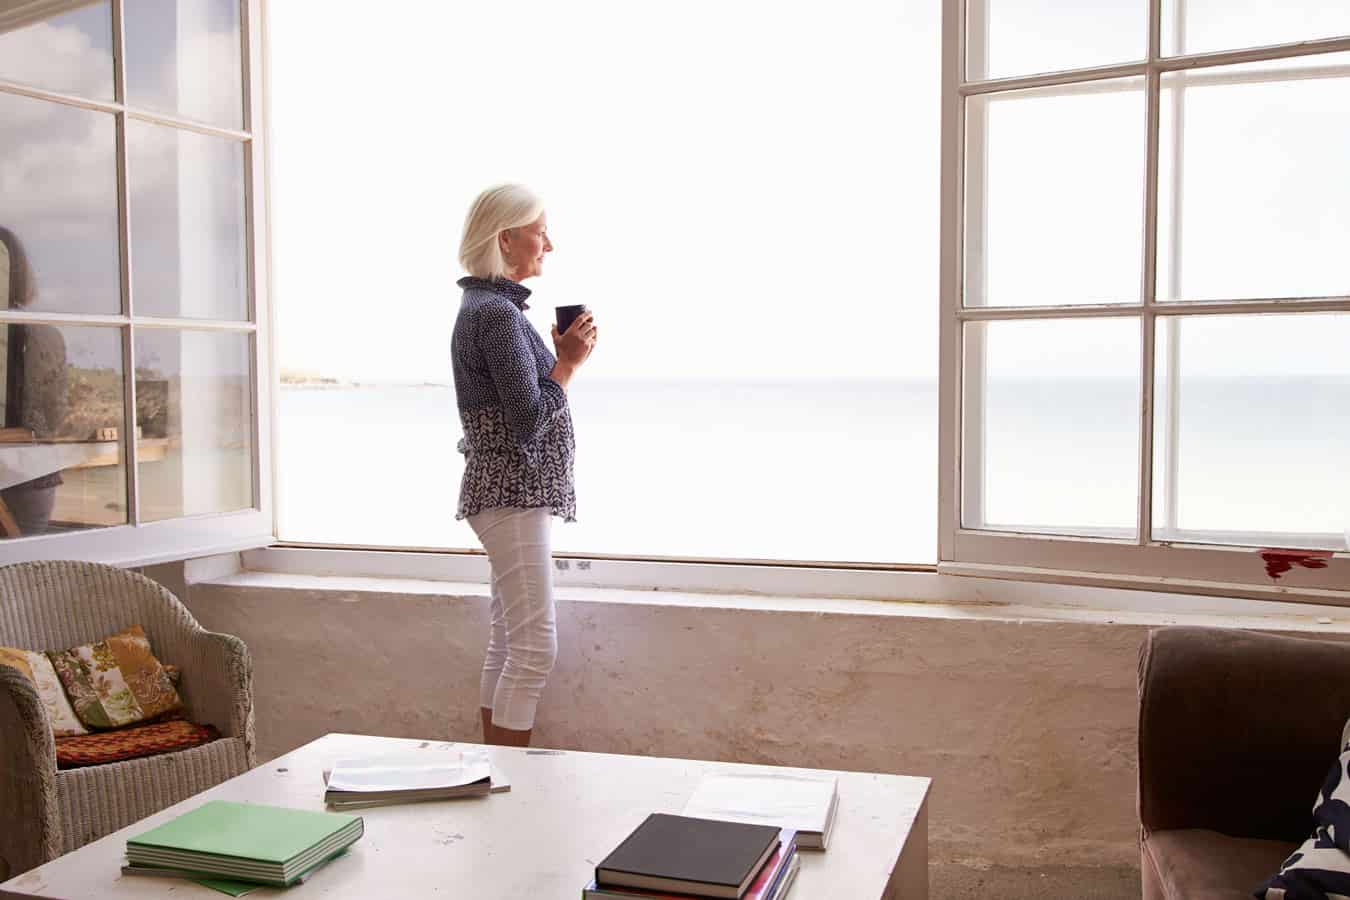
36	393
518	446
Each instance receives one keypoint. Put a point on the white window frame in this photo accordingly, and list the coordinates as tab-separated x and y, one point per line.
1213	571
139	543
1139	561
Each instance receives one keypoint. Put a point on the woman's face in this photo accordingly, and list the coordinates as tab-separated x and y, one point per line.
523	249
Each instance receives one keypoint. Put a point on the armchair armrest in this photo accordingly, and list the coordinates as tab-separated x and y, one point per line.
1237	729
218	685
30	834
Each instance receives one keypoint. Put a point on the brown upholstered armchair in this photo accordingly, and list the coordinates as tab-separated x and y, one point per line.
45	811
1236	733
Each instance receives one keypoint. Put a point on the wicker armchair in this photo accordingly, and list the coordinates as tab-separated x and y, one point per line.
53	605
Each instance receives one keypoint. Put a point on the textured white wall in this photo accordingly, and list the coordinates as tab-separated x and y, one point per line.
1026	727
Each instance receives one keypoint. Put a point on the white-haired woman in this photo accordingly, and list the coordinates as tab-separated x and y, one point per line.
518	445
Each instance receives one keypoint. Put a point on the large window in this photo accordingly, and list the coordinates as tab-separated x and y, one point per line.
1146	289
746	195
129	290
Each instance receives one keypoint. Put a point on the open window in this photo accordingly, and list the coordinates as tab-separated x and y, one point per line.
133	301
1146	335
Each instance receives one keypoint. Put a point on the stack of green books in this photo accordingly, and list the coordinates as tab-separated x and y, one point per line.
243	842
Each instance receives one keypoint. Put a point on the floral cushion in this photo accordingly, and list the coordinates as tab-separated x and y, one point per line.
38	669
131	743
116	681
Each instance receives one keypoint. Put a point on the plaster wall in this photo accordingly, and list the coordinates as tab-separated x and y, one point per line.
1027	727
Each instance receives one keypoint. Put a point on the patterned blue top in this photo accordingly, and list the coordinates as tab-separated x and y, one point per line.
518	441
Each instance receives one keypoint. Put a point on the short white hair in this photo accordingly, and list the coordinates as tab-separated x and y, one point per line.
496	210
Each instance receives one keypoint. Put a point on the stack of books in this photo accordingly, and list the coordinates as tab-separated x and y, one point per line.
242	842
411	778
678	857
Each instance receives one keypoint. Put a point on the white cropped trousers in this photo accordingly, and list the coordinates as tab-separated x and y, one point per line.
523	643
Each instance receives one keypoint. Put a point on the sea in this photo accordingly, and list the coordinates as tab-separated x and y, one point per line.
832	471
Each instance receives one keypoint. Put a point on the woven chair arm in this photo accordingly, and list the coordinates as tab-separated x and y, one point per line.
218	685
31	833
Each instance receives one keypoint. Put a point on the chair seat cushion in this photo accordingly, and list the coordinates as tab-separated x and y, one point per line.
1197	864
131	742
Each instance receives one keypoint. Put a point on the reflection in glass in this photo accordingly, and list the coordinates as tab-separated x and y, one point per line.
1053	185
1252	430
58	195
1006	38
187	223
68	51
183	57
193	402
1206	26
1253	191
61	457
1051	430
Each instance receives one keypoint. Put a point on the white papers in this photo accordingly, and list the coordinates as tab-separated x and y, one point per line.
803	804
410	771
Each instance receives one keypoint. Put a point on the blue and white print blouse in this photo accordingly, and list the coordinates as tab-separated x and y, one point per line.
518	441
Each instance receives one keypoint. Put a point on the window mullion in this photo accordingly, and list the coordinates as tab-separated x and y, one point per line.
131	443
949	279
257	238
1149	269
1172	437
128	437
119	35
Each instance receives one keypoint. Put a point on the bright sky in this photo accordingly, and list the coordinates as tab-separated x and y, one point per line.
751	189
737	189
742	189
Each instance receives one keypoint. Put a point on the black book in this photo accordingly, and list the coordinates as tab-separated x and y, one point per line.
681	855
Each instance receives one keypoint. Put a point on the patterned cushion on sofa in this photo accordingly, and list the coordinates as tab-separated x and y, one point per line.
116	681
1320	867
132	742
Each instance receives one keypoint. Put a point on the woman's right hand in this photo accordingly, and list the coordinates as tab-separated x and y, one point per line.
574	346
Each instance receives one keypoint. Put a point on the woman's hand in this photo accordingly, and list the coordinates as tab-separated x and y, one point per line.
573	347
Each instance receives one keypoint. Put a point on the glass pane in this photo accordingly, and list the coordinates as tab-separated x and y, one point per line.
183	57
58	203
1253	181
194	412
1051	433
67	49
1204	26
803	424
1006	38
187	224
1252	431
1054	188
61	456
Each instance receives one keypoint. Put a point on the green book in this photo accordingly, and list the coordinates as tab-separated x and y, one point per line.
266	844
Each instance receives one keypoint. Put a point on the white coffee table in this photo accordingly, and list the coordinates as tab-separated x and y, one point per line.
541	840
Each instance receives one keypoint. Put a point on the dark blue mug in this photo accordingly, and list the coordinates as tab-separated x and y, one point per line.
567	315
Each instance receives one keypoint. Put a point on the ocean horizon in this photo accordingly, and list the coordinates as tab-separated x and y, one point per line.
838	471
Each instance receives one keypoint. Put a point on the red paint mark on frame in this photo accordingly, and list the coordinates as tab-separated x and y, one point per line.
1279	561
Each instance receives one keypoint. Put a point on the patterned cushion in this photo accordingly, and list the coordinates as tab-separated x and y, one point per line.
1320	868
39	670
116	681
131	743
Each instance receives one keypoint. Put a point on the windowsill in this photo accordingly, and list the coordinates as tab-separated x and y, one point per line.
1081	605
